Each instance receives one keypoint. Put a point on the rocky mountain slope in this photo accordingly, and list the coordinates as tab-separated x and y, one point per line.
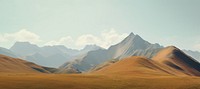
132	45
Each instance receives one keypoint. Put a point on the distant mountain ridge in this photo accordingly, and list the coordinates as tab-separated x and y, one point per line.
51	56
194	54
7	52
24	48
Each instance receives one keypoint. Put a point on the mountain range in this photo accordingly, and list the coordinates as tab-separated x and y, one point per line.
93	57
132	45
51	56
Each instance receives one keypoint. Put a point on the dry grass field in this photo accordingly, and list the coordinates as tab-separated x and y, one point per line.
94	81
129	73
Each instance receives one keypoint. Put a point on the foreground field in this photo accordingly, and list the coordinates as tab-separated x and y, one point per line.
88	81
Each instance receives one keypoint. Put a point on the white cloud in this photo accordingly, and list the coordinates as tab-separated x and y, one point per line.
106	39
111	37
197	46
2	39
67	41
87	39
22	35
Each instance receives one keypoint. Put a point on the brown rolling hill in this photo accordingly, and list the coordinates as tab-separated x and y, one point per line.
134	66
178	60
168	61
15	65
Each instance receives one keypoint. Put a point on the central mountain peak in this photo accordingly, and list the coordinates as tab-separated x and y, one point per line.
132	45
131	35
131	38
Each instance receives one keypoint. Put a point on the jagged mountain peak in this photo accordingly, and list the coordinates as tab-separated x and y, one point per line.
128	45
133	39
23	44
129	37
24	48
131	34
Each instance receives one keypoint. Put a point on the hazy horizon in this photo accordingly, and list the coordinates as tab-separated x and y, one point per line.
110	44
76	23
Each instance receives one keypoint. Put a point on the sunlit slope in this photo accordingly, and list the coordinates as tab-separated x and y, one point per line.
15	65
134	66
176	59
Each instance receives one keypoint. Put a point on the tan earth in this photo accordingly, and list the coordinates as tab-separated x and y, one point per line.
15	65
129	73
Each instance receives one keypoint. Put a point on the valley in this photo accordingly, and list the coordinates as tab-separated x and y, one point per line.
93	81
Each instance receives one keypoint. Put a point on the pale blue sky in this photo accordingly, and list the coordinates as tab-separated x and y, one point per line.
168	22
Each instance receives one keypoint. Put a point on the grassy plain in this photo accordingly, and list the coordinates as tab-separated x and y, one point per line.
94	81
